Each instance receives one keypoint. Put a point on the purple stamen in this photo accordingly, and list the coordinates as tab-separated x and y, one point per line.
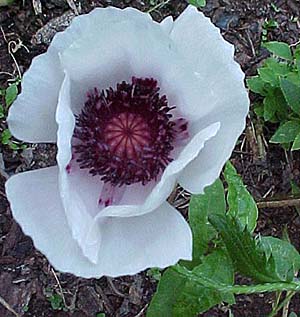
126	135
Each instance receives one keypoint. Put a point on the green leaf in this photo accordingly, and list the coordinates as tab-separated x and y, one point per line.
297	59
212	201
241	203
14	146
2	112
169	286
56	301
257	85
182	293
100	315
6	2
259	110
291	93
296	143
275	106
270	24
154	273
11	94
287	132
194	298
279	68
279	49
268	76
286	257
197	3
294	78
5	136
246	253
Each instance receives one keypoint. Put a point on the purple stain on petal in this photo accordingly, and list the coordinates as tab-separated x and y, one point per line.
68	168
111	195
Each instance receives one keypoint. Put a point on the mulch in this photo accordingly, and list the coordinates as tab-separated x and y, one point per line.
27	281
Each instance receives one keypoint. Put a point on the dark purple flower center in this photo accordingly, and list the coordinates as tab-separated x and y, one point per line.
126	135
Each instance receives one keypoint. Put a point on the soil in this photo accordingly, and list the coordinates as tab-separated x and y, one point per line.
27	281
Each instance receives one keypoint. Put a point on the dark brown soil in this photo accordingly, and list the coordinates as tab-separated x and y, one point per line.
27	281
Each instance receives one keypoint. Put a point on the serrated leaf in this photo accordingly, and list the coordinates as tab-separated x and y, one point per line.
287	132
182	293
279	49
169	286
286	257
11	94
195	298
291	93
212	201
241	203
197	3
246	253
296	143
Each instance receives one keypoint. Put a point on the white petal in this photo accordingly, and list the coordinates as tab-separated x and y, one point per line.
167	24
132	48
205	50
31	117
164	187
223	82
84	231
129	245
207	166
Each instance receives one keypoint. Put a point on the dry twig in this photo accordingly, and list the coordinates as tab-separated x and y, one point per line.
292	202
113	287
140	314
6	305
60	288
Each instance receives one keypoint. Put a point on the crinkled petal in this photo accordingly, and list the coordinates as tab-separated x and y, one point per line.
131	48
129	245
32	116
222	80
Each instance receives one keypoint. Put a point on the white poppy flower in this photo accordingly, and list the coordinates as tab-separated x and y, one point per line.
168	107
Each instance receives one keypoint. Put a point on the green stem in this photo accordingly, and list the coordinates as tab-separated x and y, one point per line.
293	286
262	288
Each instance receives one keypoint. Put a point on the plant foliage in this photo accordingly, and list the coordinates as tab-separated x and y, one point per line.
224	245
278	81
